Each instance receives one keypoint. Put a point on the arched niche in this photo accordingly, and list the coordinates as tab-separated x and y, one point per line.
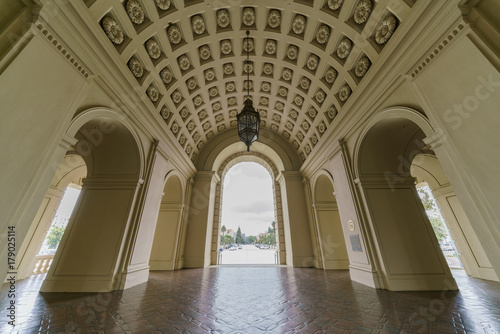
165	252
108	148
427	169
323	189
333	252
405	244
92	255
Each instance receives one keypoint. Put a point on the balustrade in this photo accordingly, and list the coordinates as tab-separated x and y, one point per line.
43	263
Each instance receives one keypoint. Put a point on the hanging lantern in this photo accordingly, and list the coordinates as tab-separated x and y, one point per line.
248	124
248	118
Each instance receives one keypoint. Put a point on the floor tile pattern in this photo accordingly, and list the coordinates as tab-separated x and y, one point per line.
259	299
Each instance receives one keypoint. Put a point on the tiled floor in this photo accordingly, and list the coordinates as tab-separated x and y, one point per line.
256	300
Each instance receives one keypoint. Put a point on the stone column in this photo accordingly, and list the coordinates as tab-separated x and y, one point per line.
470	250
199	229
93	247
299	249
406	246
331	236
313	226
38	232
179	264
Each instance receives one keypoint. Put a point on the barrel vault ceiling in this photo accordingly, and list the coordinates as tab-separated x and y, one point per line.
308	57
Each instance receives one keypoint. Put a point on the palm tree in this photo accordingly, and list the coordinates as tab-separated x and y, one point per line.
223	233
273	224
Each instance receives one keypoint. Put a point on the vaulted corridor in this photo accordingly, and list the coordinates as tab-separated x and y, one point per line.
358	104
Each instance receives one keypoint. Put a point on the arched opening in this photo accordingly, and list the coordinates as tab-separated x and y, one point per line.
92	255
332	246
248	228
405	244
165	249
293	224
428	172
36	253
282	243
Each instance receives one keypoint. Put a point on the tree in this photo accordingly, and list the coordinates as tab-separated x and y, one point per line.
273	224
439	229
426	199
252	239
433	213
54	236
239	239
228	239
223	229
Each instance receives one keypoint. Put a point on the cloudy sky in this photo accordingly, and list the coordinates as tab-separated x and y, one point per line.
248	199
68	202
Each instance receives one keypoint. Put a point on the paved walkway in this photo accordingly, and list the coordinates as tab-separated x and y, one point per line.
249	254
265	299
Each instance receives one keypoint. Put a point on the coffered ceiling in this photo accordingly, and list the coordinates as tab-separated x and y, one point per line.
309	57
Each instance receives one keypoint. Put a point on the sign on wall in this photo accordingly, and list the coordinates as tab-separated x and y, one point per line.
356	243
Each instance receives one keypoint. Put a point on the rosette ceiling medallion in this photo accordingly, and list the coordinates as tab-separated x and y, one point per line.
309	59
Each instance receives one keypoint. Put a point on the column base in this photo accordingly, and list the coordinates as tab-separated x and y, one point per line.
417	283
194	262
365	276
161	265
134	277
336	264
77	284
305	262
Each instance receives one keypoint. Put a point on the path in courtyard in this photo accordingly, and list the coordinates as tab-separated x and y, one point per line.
249	255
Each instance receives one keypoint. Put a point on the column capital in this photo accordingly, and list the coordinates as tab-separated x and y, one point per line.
435	139
112	182
67	142
291	175
204	174
207	176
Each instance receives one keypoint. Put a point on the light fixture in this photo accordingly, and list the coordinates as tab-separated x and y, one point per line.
248	118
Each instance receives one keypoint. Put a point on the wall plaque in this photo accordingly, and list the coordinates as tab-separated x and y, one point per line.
356	243
351	225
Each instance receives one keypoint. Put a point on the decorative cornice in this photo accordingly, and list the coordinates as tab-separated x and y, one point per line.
61	48
438	48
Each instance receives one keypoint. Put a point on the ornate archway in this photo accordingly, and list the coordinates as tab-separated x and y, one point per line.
404	242
109	203
273	170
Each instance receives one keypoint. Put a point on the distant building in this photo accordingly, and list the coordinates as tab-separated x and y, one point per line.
232	233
